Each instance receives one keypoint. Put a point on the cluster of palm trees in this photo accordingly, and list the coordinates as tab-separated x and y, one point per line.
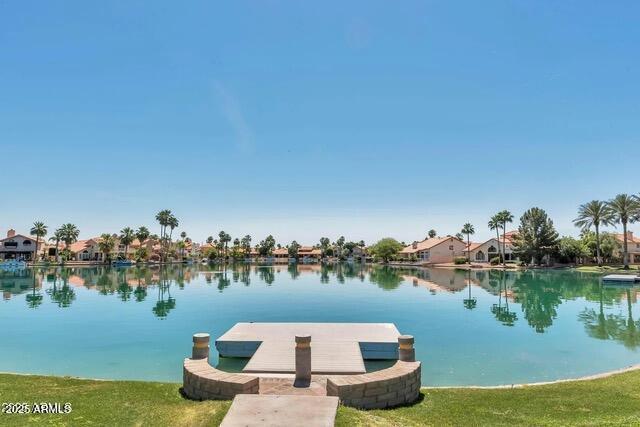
622	209
168	222
67	233
497	222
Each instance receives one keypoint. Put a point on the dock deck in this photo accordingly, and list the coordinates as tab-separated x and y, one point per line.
337	348
627	278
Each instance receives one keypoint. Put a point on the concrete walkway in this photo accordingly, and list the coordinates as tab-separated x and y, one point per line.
264	410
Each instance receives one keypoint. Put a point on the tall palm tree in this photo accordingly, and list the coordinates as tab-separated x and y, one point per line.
127	235
106	244
225	238
626	210
142	234
468	230
505	217
39	230
163	217
594	214
57	237
69	234
173	223
494	224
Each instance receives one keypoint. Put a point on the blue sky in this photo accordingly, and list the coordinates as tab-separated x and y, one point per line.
302	119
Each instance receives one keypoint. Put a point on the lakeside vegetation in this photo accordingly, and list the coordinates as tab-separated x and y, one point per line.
535	242
613	400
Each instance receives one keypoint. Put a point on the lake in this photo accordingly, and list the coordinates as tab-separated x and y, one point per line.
471	328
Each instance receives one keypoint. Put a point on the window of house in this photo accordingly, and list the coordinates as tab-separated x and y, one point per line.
10	244
26	242
492	249
450	247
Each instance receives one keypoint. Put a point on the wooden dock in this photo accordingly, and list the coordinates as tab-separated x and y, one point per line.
337	348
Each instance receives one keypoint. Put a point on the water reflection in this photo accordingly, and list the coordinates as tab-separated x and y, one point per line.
533	297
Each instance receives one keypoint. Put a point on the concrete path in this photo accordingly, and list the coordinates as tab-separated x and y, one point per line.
263	410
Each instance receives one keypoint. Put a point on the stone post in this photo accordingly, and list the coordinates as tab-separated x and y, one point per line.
407	352
200	346
303	360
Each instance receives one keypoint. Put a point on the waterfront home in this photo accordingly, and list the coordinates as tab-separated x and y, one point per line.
435	250
17	246
633	246
485	251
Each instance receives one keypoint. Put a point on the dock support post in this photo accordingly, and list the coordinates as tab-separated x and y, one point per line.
406	351
200	346
303	361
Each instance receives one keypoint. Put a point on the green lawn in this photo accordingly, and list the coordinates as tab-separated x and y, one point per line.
608	269
610	401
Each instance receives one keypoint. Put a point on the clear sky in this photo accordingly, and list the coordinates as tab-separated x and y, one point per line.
302	119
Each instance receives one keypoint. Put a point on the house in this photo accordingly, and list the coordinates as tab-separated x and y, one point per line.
633	246
485	251
435	250
17	246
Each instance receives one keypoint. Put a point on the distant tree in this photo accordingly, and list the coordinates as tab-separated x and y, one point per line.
293	249
468	230
505	217
69	234
494	224
245	242
142	234
210	240
361	243
385	249
324	245
570	249
594	214
224	239
127	235
536	237
57	238
432	233
106	244
626	210
183	235
459	236
39	230
266	246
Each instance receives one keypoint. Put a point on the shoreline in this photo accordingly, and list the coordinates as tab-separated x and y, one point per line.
590	377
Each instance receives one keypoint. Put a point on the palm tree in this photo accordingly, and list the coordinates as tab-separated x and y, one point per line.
163	217
127	235
626	210
106	244
505	217
142	234
468	230
39	230
173	223
494	224
245	242
57	237
432	233
69	234
594	214
224	240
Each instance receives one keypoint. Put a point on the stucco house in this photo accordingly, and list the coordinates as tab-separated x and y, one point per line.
17	246
436	250
633	246
485	251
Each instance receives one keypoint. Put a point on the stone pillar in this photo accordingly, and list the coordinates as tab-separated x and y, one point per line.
303	360
200	346
407	352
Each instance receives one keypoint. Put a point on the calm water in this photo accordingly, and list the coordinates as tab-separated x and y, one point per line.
503	328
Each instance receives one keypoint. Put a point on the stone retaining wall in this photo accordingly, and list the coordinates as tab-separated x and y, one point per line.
202	381
387	388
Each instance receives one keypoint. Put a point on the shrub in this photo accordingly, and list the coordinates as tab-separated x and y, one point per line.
460	260
495	260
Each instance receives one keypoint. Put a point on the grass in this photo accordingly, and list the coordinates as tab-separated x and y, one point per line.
614	400
607	269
